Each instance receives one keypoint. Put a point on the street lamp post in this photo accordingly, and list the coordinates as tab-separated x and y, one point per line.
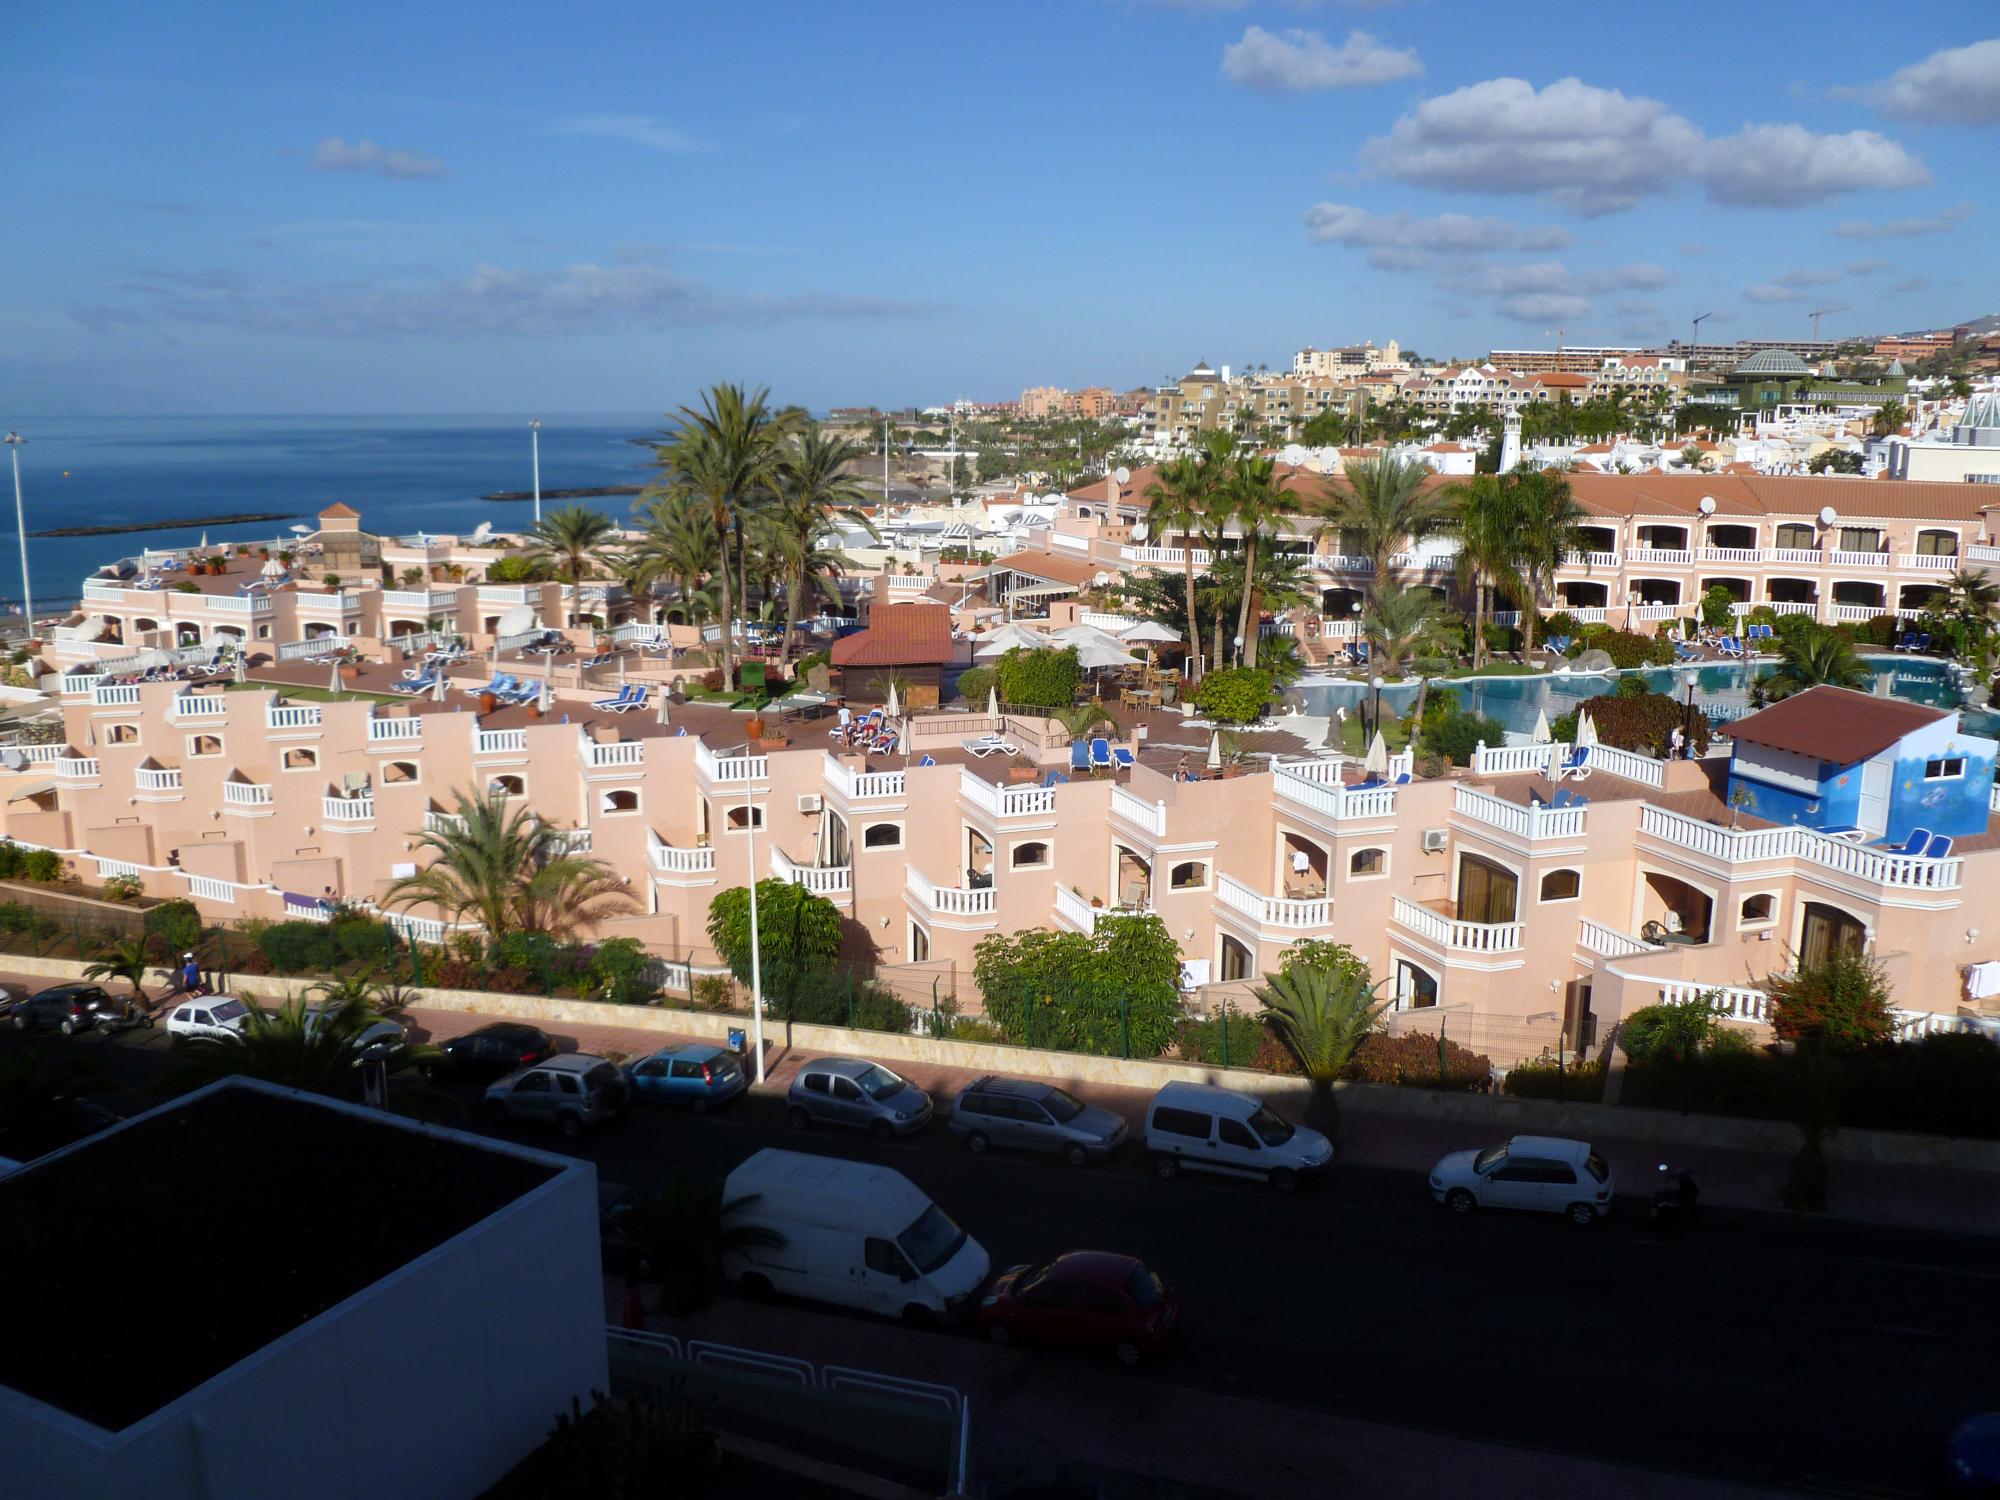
14	441
1687	718
535	447
1377	683
1239	651
756	948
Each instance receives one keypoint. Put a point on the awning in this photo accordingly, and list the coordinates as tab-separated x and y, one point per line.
30	789
1043	590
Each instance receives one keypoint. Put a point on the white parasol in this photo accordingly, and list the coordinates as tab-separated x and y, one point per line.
891	705
1215	749
1376	763
333	675
1150	630
1586	732
1542	726
439	686
1091	657
993	702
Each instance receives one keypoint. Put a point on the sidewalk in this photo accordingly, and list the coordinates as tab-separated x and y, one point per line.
1043	1415
1946	1199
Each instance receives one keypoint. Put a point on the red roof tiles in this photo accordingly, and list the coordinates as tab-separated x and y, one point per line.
898	635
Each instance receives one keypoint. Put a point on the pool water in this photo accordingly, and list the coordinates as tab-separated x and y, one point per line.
1724	686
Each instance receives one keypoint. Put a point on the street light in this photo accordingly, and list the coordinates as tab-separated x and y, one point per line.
14	441
1239	651
535	444
1687	717
1375	728
756	948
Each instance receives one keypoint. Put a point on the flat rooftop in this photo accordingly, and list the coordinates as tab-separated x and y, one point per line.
154	1257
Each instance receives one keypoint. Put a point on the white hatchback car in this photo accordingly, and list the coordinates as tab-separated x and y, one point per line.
1529	1171
213	1018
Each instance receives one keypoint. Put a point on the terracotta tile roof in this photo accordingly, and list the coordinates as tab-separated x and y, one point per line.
1778	494
1052	567
1832	724
343	512
898	635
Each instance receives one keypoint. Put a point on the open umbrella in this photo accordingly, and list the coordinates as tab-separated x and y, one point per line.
1376	763
1091	657
1150	630
1542	726
1215	749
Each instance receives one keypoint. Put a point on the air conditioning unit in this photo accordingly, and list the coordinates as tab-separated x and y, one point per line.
1435	840
809	802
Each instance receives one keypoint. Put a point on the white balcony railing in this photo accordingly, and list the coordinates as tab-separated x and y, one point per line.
115	695
77	768
1732	554
292	716
395	730
1609	942
1512	760
613	754
1856	614
1844	559
1274	911
1731	1002
821	880
730	768
1165	557
423	601
1590	614
1658	557
348	809
337	602
443	822
950	901
198	706
246	794
1593	561
157	778
862	786
669	860
1532	821
208	888
1335	799
1738	846
258	603
313	647
111	869
1005	801
499	741
1451	933
510	593
1651	612
1148	816
1795	557
100	591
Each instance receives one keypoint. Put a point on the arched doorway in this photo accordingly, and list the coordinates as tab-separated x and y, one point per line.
1416	987
1825	930
1234	961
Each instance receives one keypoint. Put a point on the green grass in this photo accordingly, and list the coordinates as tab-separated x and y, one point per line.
1396	732
1495	669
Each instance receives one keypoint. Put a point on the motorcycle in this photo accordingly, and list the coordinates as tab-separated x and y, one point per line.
122	1014
1676	1200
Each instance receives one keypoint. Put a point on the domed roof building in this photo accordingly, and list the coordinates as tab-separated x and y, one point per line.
1773	362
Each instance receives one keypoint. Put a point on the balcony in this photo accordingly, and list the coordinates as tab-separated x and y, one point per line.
821	880
510	593
956	905
1532	822
115	695
1609	942
1148	817
198	706
1332	798
1845	559
499	741
395	731
283	716
1081	915
346	811
1454	935
1732	847
245	795
614	755
157	781
1006	801
1732	554
422	601
730	769
258	603
443	822
674	866
337	602
1795	557
1279	912
78	768
862	786
1594	561
1659	557
1928	562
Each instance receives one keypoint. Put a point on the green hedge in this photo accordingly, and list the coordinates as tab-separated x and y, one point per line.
1039	679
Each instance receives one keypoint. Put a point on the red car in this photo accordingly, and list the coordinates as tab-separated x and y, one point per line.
1087	1299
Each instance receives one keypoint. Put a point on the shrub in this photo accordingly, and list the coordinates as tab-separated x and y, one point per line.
1043	679
41	864
974	683
16	916
1440	706
1547	1079
1841	1003
297	947
1882	630
880	1009
621	972
1626	648
1323	953
1229	1039
362	938
1679	1031
1458	735
1502	638
714	992
711	680
1763	614
516	569
177	923
1715	607
1645	723
124	888
1414	1061
1114	988
523	950
1557	622
11	855
1235	695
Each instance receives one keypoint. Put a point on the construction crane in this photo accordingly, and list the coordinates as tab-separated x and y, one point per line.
1820	312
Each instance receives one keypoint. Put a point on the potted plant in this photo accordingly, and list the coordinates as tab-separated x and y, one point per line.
350	671
285	558
1019	770
487	703
756	726
332	582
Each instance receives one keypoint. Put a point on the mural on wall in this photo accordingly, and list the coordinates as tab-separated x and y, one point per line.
1957	805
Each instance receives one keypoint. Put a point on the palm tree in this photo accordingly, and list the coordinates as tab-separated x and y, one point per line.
1388	502
1257	504
298	1045
1401	627
678	540
1321	1016
511	872
814	485
1179	500
1816	656
569	540
1888	419
123	958
685	1233
1549	527
726	453
1970	597
1488	546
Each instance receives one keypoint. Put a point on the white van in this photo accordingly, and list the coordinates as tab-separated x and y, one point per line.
854	1234
1206	1129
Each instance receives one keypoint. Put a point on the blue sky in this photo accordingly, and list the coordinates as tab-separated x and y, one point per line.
236	208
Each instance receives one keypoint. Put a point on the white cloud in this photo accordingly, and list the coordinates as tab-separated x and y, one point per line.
1546	289
335	155
636	130
1866	267
1807	276
1906	229
1400	241
1694	247
1598	150
1787	165
1956	86
1537	306
1771	291
1297	61
1911	284
488	302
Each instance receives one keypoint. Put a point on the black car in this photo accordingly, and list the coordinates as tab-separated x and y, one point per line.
69	1008
494	1051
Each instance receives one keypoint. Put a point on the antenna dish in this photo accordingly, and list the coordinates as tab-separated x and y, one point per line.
1122	474
1827	515
1139	531
1708	505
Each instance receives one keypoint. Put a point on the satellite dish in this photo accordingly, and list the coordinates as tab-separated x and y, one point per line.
1122	474
1827	515
1139	531
1708	505
517	621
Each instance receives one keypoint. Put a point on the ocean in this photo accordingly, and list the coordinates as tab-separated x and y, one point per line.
403	474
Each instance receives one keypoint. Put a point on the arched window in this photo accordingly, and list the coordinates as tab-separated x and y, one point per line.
398	771
1237	960
1189	875
1757	910
205	744
299	758
1364	862
122	734
1562	885
1028	855
506	786
882	836
620	800
740	817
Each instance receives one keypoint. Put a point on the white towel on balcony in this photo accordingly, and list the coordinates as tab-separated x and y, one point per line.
1982	980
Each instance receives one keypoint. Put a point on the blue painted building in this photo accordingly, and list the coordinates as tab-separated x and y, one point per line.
1833	759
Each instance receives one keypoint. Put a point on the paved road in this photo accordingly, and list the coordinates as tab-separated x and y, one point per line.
1759	1347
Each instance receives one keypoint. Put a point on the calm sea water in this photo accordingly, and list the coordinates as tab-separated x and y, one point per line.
403	474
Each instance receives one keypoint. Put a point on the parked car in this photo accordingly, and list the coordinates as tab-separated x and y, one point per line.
1972	1459
1529	1171
69	1008
1031	1116
492	1051
696	1074
571	1091
376	1036
859	1094
851	1233
1202	1128
1086	1299
213	1018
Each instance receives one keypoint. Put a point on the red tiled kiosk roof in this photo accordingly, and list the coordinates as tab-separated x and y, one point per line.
1835	725
898	635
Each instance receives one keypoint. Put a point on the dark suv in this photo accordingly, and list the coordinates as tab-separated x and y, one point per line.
69	1008
494	1051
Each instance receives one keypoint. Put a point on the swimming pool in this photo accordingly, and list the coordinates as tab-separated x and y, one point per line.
1723	687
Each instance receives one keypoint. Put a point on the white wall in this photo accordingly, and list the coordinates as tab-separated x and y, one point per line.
434	1381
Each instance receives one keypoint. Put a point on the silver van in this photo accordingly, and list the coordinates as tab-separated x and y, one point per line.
572	1091
1202	1128
1029	1116
857	1093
